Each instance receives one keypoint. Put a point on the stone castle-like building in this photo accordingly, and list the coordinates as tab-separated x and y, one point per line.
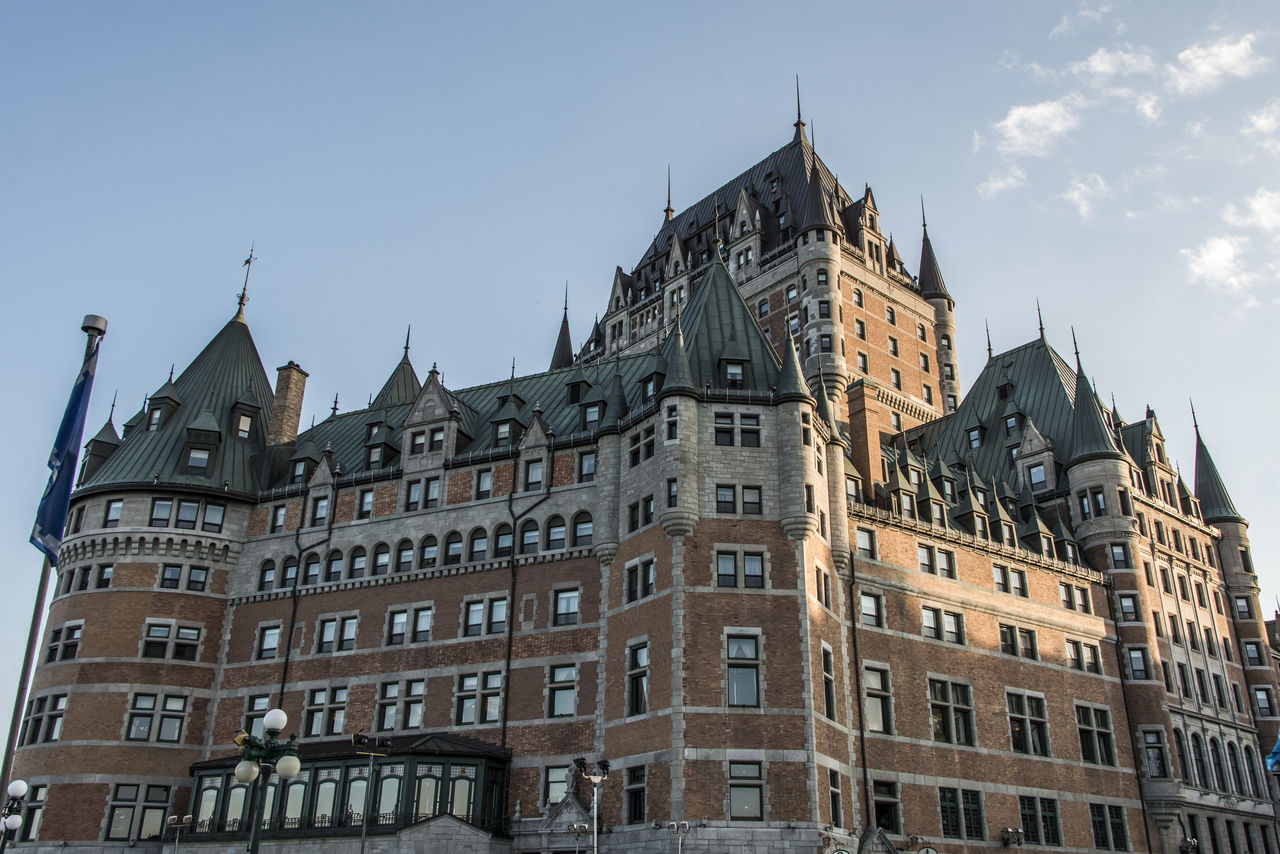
750	543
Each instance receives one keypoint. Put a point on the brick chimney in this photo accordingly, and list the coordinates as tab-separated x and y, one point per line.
286	405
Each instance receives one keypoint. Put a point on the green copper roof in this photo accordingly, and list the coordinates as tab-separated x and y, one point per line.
931	284
1215	502
1091	438
562	355
401	387
210	386
679	377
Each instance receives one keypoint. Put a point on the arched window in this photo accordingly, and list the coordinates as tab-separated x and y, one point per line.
359	562
502	541
453	548
325	797
479	545
267	576
333	566
311	570
427	798
1180	745
427	552
529	537
582	529
390	777
381	559
404	556
289	572
1251	768
1219	773
555	533
1237	775
233	818
857	297
1197	756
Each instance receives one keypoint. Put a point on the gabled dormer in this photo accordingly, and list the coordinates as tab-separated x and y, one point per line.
1035	461
246	415
99	449
507	423
303	462
162	405
1036	536
381	447
202	441
651	382
969	514
576	386
944	480
1068	548
591	409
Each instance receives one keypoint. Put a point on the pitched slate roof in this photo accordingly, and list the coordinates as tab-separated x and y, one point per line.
213	382
401	387
562	355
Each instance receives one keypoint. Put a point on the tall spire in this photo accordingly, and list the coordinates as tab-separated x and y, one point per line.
930	279
1215	502
670	211
1090	438
799	125
562	353
244	290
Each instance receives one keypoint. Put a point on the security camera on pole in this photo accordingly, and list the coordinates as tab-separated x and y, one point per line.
597	777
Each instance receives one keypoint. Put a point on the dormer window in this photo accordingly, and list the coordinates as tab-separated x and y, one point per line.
373	457
244	424
436	442
502	434
299	473
975	437
198	461
981	496
949	490
1010	425
648	389
1035	474
153	419
369	431
1006	534
590	416
734	374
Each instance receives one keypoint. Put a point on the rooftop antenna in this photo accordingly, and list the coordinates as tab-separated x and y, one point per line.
990	354
670	211
244	291
1040	318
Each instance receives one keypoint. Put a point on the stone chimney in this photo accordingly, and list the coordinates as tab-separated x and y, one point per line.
286	405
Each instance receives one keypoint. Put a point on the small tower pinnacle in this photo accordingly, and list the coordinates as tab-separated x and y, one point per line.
670	211
1040	319
408	329
244	290
335	405
990	354
799	125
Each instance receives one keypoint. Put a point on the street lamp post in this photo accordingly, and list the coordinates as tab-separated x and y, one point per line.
679	829
579	830
597	777
267	754
177	823
372	745
12	811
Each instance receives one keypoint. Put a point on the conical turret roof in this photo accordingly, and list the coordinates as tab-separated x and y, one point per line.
1091	439
679	378
401	387
931	284
1215	503
562	355
213	382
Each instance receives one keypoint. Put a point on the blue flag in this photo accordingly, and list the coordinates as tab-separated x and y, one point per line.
51	515
1273	758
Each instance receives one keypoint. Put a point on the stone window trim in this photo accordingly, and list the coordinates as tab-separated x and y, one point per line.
740	551
747	786
645	581
181	642
346	628
757	664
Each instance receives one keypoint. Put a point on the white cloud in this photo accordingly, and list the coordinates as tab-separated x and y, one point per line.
1263	211
1217	263
1033	129
997	183
1085	191
1104	64
1148	106
1201	68
1088	13
1265	124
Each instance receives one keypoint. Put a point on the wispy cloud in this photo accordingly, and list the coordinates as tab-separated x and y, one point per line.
1084	191
1203	67
1218	264
1262	210
1265	125
998	182
1032	130
1087	13
1104	64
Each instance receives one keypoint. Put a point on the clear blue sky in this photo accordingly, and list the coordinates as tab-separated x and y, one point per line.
452	165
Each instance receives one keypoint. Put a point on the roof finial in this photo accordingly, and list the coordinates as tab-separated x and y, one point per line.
1194	423
799	125
670	211
335	405
244	290
171	366
717	222
989	352
1040	318
407	330
113	406
924	223
566	296
513	368
1074	345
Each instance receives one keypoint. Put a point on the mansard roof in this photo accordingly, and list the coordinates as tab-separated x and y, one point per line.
1215	503
213	382
1045	387
790	167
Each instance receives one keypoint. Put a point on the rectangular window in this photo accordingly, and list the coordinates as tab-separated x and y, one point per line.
1109	832
951	712
484	483
586	466
879	717
433	493
871	610
726	498
161	510
866	543
325	712
1040	820
961	813
319	511
635	795
277	518
562	691
1028	724
566	607
268	642
638	679
1096	742
44	719
744	670
746	791
1138	663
